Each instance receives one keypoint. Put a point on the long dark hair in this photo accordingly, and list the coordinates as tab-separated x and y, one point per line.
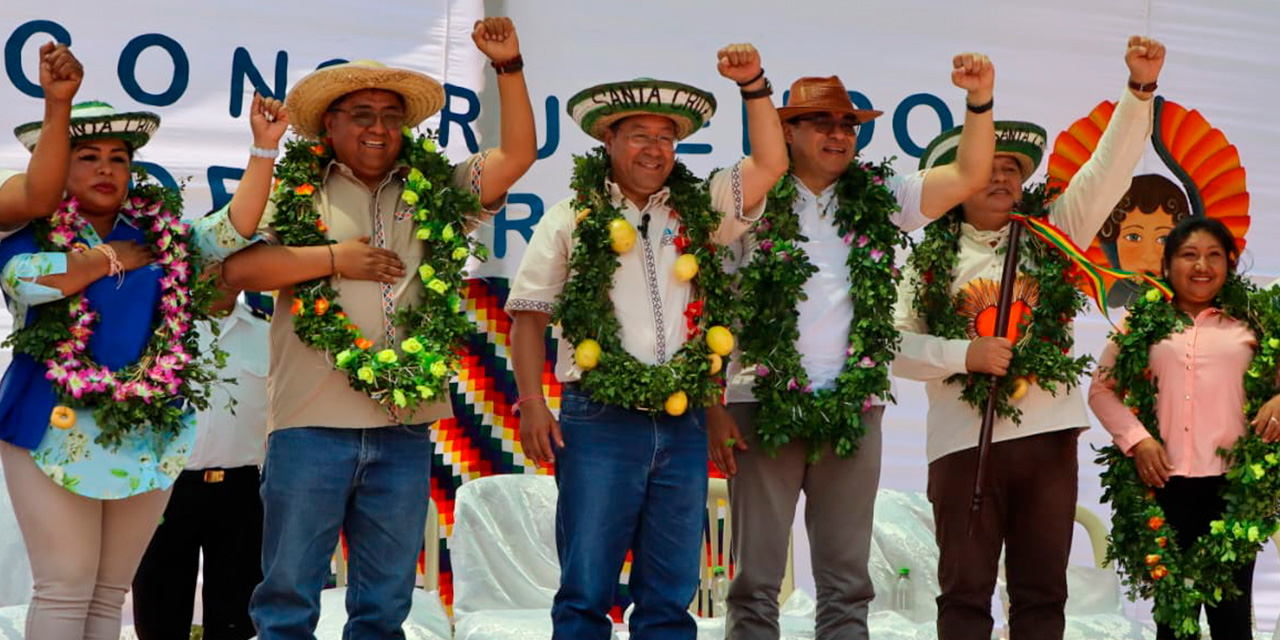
1187	226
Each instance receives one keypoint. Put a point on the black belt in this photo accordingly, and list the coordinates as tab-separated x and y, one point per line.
214	475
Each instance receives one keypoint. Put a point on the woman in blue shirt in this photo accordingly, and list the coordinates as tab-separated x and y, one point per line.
104	297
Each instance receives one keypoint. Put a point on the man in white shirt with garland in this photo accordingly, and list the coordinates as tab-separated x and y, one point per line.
945	311
627	266
816	280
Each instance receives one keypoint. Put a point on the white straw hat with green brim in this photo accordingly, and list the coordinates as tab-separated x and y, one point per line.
597	108
317	91
1023	141
95	121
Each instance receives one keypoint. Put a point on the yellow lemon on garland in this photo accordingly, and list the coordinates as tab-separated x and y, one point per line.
686	267
720	340
716	363
1020	388
676	403
62	417
622	236
587	354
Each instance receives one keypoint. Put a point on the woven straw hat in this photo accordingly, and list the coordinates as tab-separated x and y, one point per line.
1023	141
97	120
598	107
313	94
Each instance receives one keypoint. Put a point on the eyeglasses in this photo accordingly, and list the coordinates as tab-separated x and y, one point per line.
392	120
644	140
826	125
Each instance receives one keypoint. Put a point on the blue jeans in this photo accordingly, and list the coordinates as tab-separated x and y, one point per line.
371	483
628	481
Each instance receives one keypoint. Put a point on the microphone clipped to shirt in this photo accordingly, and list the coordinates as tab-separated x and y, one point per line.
644	227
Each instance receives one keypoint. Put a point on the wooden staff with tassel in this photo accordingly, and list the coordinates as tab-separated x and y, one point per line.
1008	279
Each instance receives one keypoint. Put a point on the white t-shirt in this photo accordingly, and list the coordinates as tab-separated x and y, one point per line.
223	439
827	314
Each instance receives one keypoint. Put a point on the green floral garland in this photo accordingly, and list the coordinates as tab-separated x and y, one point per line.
772	283
419	372
586	313
1141	542
1041	354
173	375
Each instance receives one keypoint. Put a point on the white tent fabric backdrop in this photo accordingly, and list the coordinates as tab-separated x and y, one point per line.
1055	62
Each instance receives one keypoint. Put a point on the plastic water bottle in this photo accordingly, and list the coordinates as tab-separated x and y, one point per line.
719	591
902	599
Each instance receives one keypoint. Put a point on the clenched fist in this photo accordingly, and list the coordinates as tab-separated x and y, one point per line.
1145	58
989	355
496	39
974	73
738	62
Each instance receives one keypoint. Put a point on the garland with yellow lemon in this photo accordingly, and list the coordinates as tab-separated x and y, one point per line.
398	379
692	376
1142	543
773	282
1041	356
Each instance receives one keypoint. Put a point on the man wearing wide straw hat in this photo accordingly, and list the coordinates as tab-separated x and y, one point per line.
628	267
945	311
805	401
349	446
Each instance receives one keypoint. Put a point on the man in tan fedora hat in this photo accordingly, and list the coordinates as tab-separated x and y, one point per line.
806	401
372	227
628	266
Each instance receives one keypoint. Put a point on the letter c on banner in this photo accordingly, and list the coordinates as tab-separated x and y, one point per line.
900	115
13	53
128	68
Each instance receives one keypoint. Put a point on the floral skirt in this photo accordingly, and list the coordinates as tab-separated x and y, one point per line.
143	462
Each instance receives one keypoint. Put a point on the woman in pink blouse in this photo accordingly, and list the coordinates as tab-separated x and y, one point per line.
1199	373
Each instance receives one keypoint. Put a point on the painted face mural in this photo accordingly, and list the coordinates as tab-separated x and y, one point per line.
1192	170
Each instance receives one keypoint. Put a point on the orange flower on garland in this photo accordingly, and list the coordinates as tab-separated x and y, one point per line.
364	343
304	189
322	306
1155	522
318	149
1153	559
321	226
1159	572
297	306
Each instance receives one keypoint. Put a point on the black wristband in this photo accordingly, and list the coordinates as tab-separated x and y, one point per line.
980	108
753	79
510	66
1142	88
762	92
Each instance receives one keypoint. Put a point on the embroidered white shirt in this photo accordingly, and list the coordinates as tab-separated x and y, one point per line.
647	297
952	424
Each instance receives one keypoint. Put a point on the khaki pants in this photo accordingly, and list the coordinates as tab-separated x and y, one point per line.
840	496
1029	506
83	552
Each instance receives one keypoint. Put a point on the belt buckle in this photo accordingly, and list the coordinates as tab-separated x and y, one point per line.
214	475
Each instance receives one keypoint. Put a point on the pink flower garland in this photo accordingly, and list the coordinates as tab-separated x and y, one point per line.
158	373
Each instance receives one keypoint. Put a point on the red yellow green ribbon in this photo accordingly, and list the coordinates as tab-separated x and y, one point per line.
1093	273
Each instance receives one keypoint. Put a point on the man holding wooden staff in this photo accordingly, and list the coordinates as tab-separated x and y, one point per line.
946	312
